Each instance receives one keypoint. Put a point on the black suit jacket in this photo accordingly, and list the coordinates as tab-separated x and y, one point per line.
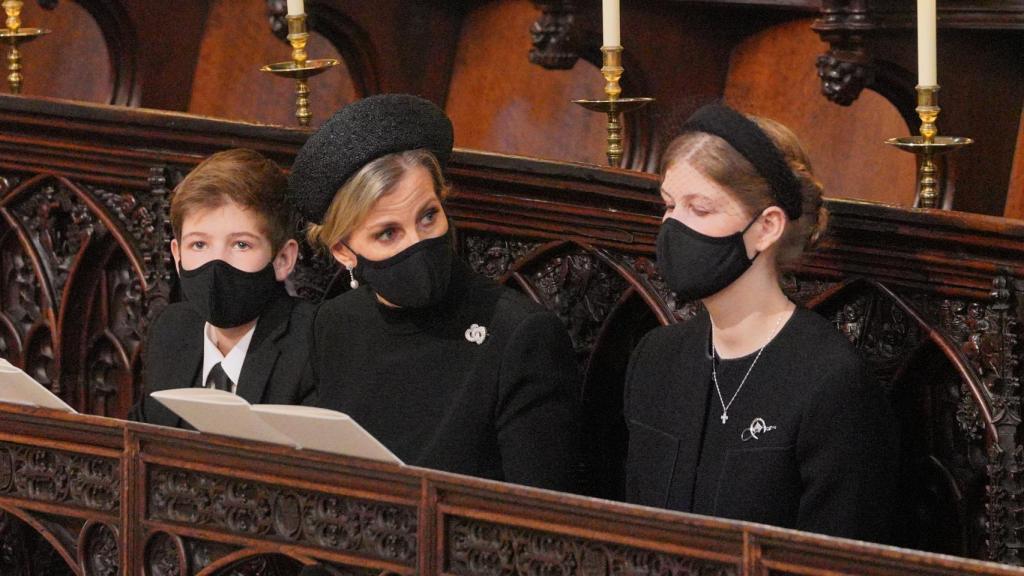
275	371
828	463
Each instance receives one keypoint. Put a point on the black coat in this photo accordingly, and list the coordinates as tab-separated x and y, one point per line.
829	464
275	371
505	408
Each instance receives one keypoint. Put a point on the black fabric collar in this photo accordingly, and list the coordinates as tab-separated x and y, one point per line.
753	144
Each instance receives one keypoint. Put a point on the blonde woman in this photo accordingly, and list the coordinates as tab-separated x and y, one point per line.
757	409
448	369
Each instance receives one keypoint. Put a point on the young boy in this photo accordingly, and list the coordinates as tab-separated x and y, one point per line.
237	328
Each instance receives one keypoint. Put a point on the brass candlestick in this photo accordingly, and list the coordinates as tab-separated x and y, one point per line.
613	106
13	35
928	145
301	69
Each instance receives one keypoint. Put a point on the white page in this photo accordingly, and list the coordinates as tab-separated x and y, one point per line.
324	430
219	412
17	387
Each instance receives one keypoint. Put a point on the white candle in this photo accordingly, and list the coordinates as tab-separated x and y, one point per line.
610	19
927	61
296	8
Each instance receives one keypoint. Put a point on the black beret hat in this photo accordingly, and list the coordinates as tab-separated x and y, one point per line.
358	134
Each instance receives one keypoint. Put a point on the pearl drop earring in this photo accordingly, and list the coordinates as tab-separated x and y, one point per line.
352	278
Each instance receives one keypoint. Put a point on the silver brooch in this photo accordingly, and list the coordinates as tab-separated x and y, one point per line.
758	426
476	334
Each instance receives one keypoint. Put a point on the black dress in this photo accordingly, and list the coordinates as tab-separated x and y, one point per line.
424	383
275	371
809	442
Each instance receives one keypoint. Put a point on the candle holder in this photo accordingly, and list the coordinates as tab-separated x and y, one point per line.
613	106
928	145
14	35
300	68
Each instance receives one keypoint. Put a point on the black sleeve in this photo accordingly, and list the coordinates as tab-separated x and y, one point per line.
636	358
847	454
537	418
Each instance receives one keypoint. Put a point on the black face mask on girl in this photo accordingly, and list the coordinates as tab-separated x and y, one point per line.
227	297
416	277
695	265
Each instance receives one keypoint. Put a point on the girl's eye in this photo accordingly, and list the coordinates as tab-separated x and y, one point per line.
699	210
197	245
242	245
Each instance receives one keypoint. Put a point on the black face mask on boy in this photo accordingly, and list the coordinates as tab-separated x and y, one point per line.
696	265
416	277
227	297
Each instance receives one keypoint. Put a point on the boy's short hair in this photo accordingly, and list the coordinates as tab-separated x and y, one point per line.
244	177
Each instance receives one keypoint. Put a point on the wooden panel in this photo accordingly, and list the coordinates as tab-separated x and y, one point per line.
71	62
499	101
772	74
237	41
1015	195
937	308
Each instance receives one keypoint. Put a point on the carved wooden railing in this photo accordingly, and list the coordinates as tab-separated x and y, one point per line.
107	497
933	299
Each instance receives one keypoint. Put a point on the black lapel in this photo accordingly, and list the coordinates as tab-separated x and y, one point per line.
693	372
264	350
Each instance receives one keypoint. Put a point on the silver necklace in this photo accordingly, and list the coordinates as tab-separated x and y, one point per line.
714	371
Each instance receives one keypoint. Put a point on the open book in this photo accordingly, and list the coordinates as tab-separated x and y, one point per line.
221	412
16	387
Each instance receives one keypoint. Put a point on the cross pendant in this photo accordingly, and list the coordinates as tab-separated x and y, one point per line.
724	417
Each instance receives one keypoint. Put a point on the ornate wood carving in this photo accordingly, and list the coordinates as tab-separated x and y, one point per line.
554	37
478	547
99	551
371	529
165	556
846	69
42	474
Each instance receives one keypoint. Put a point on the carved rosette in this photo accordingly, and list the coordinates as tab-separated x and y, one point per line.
553	36
477	547
371	529
646	269
46	475
100	551
165	556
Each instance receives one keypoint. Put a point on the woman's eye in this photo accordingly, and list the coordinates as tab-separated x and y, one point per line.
197	245
385	235
242	245
699	210
429	216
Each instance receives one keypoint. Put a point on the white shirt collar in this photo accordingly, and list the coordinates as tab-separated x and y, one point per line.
232	363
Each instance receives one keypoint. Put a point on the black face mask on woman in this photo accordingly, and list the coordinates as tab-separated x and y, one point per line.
227	297
696	265
416	277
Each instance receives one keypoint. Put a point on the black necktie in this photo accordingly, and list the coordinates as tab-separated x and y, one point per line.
218	378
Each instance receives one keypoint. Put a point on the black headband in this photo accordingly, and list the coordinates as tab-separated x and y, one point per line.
752	143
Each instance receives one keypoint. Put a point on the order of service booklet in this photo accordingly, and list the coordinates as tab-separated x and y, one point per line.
221	412
17	387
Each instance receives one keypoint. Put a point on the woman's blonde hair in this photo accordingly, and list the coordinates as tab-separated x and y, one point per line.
353	201
714	158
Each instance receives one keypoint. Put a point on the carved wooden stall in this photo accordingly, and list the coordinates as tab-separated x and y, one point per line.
932	298
111	497
505	70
